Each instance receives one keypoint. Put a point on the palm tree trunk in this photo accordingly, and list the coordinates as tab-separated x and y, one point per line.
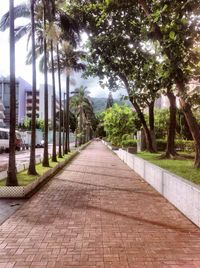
81	126
46	119
67	147
76	142
60	102
31	169
54	158
12	178
64	124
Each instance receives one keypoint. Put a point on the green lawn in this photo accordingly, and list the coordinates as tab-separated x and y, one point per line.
183	168
24	179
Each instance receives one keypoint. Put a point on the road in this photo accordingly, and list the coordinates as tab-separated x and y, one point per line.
22	157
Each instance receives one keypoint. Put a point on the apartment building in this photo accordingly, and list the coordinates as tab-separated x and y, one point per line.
5	98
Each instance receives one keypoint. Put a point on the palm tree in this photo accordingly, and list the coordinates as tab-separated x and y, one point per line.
70	32
24	11
31	169
81	104
60	101
12	178
69	61
54	156
45	162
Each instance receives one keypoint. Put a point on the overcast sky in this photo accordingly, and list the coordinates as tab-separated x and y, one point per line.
25	71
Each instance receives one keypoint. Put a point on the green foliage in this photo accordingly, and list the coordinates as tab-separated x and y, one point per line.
185	145
161	117
129	143
26	125
117	121
126	137
161	145
180	145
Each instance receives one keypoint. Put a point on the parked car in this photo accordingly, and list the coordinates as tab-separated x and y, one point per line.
40	145
4	140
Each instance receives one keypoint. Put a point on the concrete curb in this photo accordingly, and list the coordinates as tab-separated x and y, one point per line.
24	191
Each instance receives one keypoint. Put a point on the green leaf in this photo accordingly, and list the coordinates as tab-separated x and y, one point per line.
172	35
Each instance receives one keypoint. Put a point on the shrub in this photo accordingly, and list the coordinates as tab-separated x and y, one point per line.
161	144
185	145
180	145
126	137
129	143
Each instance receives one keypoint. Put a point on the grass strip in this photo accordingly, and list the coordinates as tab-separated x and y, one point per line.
183	168
25	179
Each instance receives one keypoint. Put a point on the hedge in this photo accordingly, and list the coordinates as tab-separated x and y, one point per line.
180	145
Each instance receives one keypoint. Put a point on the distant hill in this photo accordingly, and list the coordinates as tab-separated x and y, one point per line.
99	104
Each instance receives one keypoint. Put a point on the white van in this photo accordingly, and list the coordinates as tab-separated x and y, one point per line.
4	140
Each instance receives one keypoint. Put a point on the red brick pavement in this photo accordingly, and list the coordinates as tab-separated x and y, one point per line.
98	213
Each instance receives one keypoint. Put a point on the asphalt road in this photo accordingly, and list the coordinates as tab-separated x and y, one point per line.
22	157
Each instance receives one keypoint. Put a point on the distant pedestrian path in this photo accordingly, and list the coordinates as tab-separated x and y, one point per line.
98	213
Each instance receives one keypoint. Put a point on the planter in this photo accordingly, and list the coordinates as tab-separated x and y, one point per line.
23	191
132	150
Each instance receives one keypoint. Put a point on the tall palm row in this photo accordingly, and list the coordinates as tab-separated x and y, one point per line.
69	61
69	32
12	179
67	29
81	105
32	169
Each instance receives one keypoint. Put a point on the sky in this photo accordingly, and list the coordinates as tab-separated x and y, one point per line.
26	71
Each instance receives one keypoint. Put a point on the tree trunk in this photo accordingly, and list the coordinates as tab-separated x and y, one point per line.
67	149
192	124
12	178
151	124
140	115
144	124
151	115
170	150
31	169
81	126
54	157
60	103
46	119
76	143
191	120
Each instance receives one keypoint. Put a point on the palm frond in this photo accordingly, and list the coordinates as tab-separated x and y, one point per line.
20	11
21	31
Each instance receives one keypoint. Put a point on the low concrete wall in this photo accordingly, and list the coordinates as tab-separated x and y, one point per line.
183	194
23	191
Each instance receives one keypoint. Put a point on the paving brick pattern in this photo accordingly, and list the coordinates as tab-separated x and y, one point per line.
98	213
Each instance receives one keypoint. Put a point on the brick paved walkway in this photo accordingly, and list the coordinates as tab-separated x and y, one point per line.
98	213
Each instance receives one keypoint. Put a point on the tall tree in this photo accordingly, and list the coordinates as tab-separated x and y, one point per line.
46	117
80	103
69	61
31	169
60	100
109	100
67	141
12	178
54	155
